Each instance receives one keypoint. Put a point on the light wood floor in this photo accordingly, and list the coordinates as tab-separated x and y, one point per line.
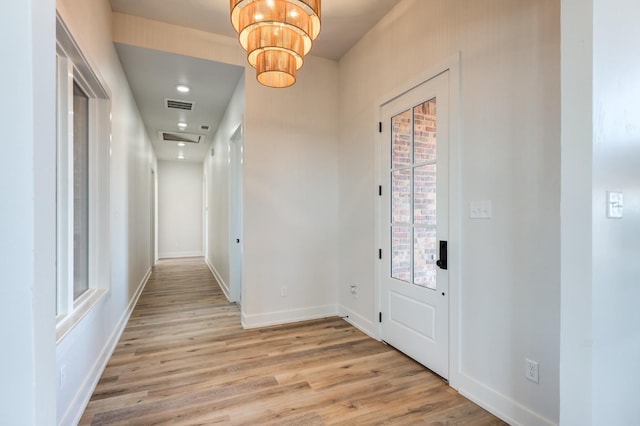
184	359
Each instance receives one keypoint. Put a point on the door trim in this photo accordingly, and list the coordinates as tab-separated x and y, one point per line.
452	65
236	142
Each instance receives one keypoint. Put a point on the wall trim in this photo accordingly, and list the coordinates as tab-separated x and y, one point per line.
81	400
177	254
223	285
358	321
288	316
498	404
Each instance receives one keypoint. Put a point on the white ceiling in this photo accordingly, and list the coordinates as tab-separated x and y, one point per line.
153	77
344	22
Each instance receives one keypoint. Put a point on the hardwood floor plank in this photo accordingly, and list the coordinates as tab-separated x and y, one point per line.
184	359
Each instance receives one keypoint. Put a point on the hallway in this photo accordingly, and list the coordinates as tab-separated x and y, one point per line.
185	359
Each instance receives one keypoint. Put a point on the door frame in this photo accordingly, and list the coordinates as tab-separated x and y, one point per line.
236	252
451	65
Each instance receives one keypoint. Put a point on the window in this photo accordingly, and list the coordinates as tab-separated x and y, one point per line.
82	196
80	191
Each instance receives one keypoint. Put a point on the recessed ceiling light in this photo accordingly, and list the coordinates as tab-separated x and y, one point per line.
180	157
181	144
182	125
182	88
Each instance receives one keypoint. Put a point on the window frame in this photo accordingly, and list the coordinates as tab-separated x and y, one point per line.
72	66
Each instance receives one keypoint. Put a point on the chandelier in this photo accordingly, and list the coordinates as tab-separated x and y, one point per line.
277	34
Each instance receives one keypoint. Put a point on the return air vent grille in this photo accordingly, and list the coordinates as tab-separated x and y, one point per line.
177	104
180	137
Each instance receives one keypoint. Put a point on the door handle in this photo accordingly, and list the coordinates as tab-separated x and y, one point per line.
442	263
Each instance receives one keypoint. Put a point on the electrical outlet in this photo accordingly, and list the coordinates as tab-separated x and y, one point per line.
531	370
63	376
354	291
283	291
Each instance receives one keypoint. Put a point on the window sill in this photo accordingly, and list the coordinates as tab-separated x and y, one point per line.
67	322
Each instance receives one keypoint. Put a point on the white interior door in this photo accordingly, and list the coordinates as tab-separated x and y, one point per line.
414	220
235	215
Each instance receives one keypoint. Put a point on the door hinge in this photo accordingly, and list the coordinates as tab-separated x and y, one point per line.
379	253
379	316
380	190
380	126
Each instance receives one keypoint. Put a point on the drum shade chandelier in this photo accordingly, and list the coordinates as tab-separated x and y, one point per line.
277	34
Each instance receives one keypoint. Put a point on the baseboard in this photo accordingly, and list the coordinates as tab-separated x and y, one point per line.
80	402
498	404
176	254
223	285
288	316
358	321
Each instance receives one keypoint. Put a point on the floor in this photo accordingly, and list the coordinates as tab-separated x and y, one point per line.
184	359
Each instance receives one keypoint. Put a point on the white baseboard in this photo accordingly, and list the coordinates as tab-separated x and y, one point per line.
289	316
175	254
81	400
358	321
223	285
498	404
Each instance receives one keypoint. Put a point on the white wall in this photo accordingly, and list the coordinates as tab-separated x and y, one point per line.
217	170
290	176
85	350
291	197
27	215
510	154
576	243
180	232
616	243
601	336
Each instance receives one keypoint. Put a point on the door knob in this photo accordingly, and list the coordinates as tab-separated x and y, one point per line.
442	263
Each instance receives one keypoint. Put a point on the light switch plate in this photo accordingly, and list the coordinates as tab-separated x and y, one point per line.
480	209
614	205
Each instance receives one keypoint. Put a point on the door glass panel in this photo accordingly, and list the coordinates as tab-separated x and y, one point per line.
425	255
424	195
413	195
401	196
401	253
401	140
424	131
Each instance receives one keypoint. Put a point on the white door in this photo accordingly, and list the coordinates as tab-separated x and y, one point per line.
235	215
414	220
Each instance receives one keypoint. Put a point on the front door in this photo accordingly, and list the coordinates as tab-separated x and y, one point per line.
414	220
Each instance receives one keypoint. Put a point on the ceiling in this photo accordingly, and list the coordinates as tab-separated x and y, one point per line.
211	83
344	22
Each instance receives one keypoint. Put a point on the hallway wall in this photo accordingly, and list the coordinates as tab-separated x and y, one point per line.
85	350
180	232
217	171
509	280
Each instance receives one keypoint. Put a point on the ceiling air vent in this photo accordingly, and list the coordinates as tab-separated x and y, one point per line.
205	127
177	104
180	137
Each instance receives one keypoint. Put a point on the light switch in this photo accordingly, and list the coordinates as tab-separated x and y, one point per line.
480	209
614	205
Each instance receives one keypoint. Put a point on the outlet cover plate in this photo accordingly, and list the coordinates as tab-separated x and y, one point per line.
531	371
